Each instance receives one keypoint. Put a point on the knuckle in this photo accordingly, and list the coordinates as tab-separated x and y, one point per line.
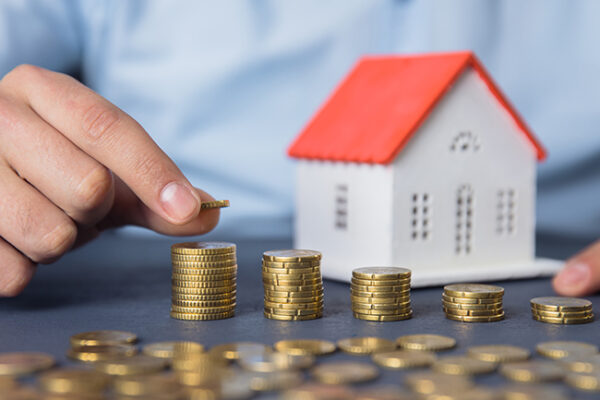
56	243
146	167
14	281
94	189
99	121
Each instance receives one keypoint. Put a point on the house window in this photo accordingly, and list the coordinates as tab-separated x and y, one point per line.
420	216
464	220
465	141
341	207
505	211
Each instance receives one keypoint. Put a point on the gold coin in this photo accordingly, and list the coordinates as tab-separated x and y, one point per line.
375	307
582	363
291	266
480	307
563	348
404	283
275	361
291	277
524	391
73	381
462	318
473	290
282	291
199	362
169	350
23	363
382	318
203	278
197	265
214	204
203	310
319	391
313	347
293	317
136	365
300	306
146	385
468	300
201	317
380	289
293	255
380	312
474	313
365	345
314	289
203	248
105	337
201	285
463	365
532	371
379	300
233	351
434	382
379	295
561	314
271	381
284	311
201	295
381	273
296	282
426	342
400	359
565	321
209	272
308	301
101	352
344	372
291	271
203	304
499	353
584	381
204	258
561	304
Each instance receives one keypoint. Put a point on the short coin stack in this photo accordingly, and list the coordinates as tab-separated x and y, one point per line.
204	280
473	302
381	293
293	285
562	310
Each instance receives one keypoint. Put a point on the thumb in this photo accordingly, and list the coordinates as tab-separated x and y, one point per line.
581	275
128	209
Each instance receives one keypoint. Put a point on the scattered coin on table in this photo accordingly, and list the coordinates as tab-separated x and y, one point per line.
365	345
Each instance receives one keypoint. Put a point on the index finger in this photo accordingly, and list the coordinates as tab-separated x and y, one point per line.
113	138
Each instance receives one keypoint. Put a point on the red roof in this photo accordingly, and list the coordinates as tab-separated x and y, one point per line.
381	104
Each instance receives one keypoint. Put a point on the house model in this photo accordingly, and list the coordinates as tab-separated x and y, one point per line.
419	161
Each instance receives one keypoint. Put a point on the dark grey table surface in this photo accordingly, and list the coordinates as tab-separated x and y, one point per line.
124	283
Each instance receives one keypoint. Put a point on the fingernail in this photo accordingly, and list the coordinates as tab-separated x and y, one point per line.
574	275
179	201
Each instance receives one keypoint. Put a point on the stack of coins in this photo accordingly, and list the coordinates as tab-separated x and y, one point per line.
381	293
293	285
203	281
473	302
562	310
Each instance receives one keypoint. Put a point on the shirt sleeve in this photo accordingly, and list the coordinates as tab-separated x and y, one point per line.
39	32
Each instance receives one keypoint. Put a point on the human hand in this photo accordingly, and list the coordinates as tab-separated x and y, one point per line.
73	164
581	275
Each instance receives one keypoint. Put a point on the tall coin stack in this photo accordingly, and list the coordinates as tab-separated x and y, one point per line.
204	280
381	293
293	285
473	302
562	310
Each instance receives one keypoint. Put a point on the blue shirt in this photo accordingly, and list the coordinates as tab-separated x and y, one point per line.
223	87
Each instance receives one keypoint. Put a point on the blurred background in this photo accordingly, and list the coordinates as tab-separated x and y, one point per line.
223	87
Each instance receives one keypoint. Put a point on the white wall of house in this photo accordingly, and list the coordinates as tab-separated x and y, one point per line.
498	167
351	233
